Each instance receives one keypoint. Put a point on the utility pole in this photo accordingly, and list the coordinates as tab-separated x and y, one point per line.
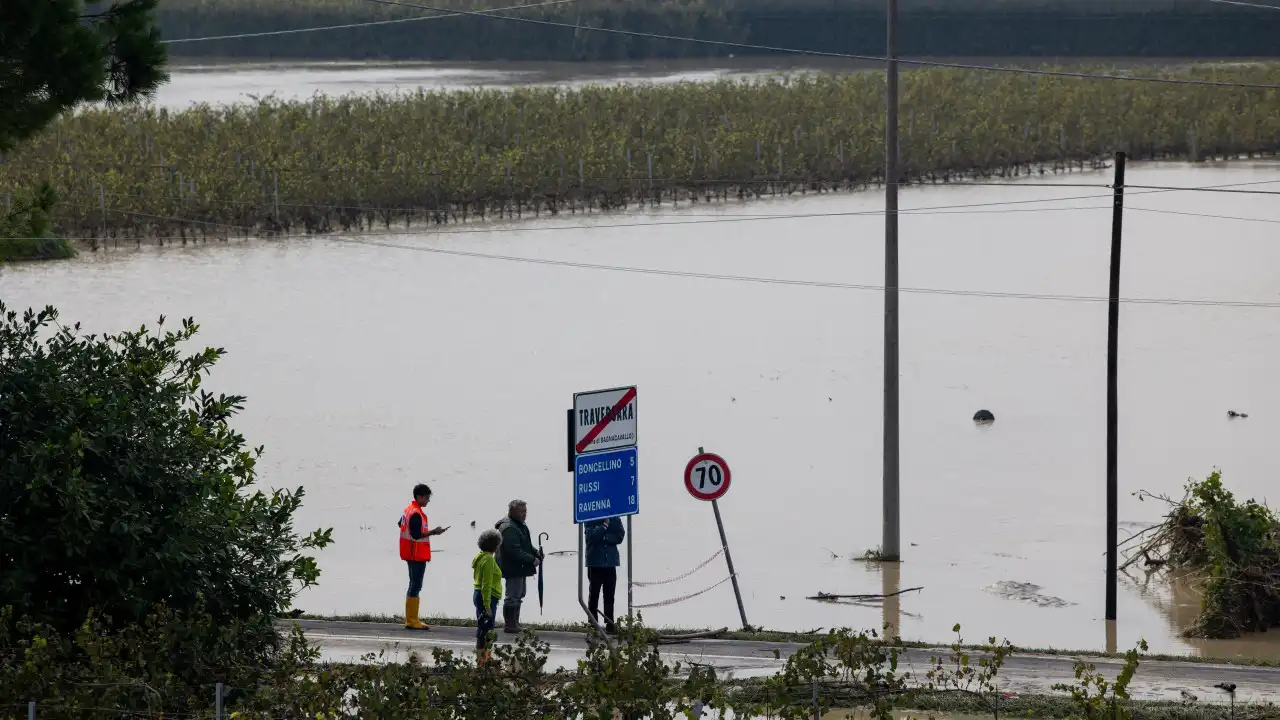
889	546
1113	406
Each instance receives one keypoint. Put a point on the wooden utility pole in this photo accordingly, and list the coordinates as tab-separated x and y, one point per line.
889	546
1113	406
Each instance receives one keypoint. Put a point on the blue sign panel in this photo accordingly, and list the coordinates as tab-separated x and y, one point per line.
604	485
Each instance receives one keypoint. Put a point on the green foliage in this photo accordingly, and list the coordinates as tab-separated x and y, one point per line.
167	663
1095	697
858	661
1239	553
1233	532
959	673
26	227
374	160
126	488
631	680
1232	548
55	55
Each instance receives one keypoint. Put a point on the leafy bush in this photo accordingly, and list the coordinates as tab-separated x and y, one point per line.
167	663
126	488
1234	549
156	670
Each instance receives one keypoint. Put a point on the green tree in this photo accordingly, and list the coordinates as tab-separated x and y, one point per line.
56	54
125	487
26	227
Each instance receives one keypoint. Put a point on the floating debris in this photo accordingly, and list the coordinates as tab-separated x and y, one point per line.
1027	592
984	416
1231	548
832	597
1234	414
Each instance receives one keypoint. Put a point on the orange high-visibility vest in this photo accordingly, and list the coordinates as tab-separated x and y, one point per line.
411	549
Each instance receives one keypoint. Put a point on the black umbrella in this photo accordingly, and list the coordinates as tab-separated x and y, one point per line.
541	556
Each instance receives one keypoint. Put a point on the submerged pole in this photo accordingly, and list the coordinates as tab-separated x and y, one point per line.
1113	404
889	546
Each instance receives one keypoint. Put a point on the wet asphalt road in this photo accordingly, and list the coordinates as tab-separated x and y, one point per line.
1022	674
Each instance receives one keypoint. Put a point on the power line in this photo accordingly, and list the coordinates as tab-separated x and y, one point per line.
419	209
272	33
1173	188
1203	215
1245	4
960	209
807	283
425	170
849	56
177	219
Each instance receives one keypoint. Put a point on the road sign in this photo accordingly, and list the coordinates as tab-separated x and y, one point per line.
604	419
604	485
706	477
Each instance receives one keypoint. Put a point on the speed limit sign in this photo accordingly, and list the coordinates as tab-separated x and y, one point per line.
706	477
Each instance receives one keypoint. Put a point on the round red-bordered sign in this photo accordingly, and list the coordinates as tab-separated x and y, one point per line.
707	477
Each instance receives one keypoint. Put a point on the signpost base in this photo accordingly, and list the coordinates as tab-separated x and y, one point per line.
630	565
582	598
733	576
717	464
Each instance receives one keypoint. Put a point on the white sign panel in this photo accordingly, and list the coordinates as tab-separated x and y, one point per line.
604	420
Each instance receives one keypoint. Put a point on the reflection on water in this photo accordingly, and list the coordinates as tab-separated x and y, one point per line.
1178	598
242	82
890	586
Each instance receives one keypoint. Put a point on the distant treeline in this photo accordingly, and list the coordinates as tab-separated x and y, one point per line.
957	28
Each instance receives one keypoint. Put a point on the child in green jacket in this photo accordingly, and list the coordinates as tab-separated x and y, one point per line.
488	589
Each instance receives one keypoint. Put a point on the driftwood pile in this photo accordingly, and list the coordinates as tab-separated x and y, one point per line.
1231	549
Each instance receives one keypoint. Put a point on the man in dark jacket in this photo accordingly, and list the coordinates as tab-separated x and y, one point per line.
603	538
518	560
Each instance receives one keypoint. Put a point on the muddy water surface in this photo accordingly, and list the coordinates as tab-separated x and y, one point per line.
370	367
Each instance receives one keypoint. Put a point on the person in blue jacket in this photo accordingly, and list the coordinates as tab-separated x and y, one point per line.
603	538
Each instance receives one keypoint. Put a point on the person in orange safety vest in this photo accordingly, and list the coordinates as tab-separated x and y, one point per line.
415	550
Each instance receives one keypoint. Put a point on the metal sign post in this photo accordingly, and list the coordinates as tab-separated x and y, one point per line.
707	478
630	574
604	460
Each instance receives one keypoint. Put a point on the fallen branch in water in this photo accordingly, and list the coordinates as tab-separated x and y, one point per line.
664	639
823	596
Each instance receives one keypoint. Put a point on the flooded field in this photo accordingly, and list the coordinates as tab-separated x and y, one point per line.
371	366
221	83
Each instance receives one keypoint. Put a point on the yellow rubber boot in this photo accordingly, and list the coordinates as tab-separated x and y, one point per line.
411	621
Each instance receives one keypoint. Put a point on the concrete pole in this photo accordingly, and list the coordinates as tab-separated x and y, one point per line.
890	544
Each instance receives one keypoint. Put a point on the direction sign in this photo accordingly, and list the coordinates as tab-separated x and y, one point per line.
706	477
604	419
604	485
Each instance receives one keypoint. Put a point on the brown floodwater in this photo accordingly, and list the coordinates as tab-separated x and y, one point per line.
369	368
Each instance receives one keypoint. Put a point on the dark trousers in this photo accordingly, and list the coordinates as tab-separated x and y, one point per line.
484	625
416	571
516	587
602	579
